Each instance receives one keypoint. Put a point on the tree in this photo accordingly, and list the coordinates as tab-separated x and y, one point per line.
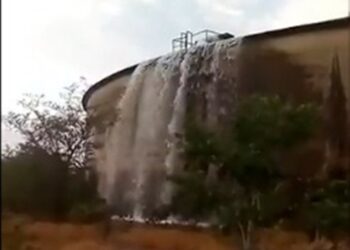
326	208
55	127
247	174
47	170
34	182
39	184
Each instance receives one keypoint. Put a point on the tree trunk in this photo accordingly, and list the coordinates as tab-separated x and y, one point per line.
212	174
246	234
317	236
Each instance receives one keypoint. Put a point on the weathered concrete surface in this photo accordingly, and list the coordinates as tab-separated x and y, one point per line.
303	64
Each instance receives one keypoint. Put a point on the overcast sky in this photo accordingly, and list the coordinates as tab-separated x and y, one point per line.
48	44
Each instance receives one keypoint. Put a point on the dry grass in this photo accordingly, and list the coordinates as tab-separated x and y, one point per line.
66	236
172	239
20	233
273	239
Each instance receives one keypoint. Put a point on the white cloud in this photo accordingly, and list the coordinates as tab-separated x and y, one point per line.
52	43
9	137
251	16
110	8
296	12
220	13
152	2
47	44
221	7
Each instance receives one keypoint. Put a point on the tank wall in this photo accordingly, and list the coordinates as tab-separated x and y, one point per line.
101	110
310	66
306	67
312	50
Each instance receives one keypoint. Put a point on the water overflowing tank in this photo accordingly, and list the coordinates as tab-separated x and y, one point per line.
137	114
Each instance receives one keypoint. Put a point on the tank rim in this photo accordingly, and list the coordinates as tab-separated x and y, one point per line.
333	23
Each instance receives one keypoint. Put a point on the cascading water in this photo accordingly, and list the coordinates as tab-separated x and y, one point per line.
143	146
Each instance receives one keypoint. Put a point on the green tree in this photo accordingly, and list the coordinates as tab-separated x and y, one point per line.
34	183
55	127
48	168
246	170
326	208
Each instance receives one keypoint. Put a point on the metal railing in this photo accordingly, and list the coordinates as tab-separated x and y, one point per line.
188	39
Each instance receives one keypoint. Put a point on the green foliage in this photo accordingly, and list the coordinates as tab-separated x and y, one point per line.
200	201
88	211
200	147
269	123
264	127
327	208
247	172
40	184
46	174
29	182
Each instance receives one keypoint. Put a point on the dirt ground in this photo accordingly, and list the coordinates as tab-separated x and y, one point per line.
22	233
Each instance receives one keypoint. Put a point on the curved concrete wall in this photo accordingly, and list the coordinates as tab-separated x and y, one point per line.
309	44
307	63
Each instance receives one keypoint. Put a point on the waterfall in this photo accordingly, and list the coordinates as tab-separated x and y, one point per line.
144	145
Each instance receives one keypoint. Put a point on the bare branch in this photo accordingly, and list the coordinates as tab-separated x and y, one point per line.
56	127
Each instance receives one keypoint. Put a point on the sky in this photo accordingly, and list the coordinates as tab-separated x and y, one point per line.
48	44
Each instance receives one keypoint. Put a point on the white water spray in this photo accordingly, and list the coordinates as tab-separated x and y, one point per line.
144	145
